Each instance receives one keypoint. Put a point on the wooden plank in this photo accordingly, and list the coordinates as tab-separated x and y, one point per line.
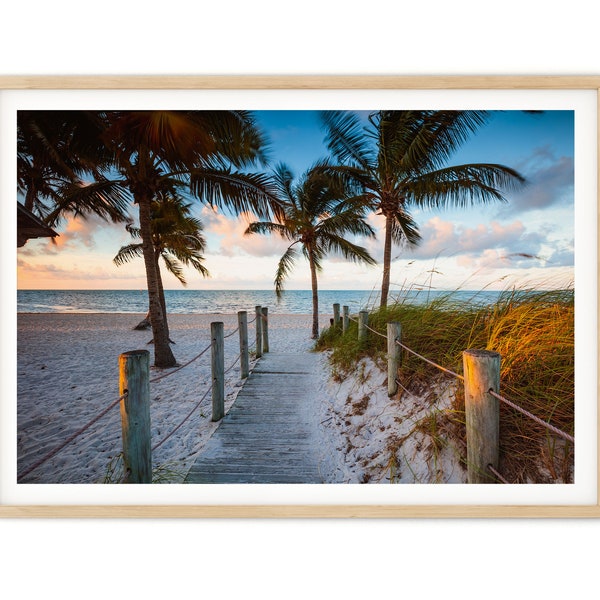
268	436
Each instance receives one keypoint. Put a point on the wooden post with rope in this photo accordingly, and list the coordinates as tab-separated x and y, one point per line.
218	370
394	334
482	412
134	386
243	332
265	329
336	315
345	318
258	311
363	321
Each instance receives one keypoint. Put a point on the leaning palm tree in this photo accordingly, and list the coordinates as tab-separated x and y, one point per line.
198	154
177	239
399	161
317	216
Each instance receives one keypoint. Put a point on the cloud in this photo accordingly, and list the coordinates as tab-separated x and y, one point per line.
446	238
75	234
52	271
550	183
231	238
490	245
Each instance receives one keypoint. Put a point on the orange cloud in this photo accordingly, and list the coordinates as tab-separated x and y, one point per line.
232	240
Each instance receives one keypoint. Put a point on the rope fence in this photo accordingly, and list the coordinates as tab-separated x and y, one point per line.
72	437
481	380
134	382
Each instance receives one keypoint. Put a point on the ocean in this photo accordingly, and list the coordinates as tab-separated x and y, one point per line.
217	301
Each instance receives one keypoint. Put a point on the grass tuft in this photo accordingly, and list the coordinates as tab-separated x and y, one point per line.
534	333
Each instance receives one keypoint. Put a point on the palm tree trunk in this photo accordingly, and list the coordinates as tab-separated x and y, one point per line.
387	261
315	298
163	357
161	292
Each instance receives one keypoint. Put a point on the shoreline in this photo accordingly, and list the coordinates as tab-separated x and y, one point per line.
142	314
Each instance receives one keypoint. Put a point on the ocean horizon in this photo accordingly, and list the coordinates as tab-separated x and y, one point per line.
225	301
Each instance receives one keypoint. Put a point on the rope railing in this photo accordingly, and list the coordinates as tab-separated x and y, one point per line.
242	355
186	418
72	437
235	362
217	387
393	364
506	401
165	375
539	421
496	474
198	404
232	333
434	364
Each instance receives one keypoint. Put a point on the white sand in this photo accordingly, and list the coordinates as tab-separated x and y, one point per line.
391	440
68	373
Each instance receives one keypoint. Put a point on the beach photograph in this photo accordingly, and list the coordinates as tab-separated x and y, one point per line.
307	296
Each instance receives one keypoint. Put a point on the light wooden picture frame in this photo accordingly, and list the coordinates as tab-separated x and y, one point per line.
588	505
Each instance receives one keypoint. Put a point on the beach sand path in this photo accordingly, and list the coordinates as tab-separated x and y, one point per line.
270	435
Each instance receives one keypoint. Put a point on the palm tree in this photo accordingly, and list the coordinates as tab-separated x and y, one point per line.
197	153
59	152
177	239
316	216
399	161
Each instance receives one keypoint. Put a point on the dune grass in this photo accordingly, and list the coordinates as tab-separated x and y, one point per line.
534	333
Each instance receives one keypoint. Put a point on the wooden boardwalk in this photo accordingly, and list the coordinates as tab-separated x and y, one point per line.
270	433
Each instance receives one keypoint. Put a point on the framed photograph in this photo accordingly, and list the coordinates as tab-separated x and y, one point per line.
275	297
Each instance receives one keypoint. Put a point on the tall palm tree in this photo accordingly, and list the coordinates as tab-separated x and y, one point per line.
317	215
399	160
177	239
194	153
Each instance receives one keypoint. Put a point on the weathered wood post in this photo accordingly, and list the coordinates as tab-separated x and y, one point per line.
363	321
482	374
345	319
394	334
265	329
258	321
336	315
243	331
218	370
134	382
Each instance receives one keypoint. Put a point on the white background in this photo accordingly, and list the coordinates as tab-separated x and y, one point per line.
297	559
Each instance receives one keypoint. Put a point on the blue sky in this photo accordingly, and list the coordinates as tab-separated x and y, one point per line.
529	240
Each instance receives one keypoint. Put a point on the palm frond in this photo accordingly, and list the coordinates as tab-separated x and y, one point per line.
197	263
134	231
347	221
284	268
346	249
174	267
128	253
405	230
464	185
106	198
284	180
434	136
239	138
237	191
266	227
345	138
